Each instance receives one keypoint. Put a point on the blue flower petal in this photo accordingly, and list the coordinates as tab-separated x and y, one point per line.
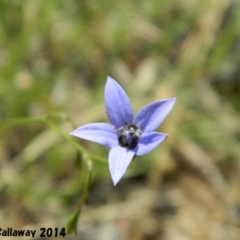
152	115
119	159
149	141
118	106
102	133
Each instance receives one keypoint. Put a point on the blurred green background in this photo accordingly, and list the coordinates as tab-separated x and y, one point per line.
55	57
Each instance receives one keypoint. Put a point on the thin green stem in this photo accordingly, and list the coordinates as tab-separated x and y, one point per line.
69	139
46	121
20	121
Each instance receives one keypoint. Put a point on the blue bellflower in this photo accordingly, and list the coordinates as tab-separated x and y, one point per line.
127	134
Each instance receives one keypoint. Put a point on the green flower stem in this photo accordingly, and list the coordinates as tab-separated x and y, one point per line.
25	121
69	139
21	121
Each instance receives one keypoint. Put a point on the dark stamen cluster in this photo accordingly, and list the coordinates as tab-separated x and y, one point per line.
129	135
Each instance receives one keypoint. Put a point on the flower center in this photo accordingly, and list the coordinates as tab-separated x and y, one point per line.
129	135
